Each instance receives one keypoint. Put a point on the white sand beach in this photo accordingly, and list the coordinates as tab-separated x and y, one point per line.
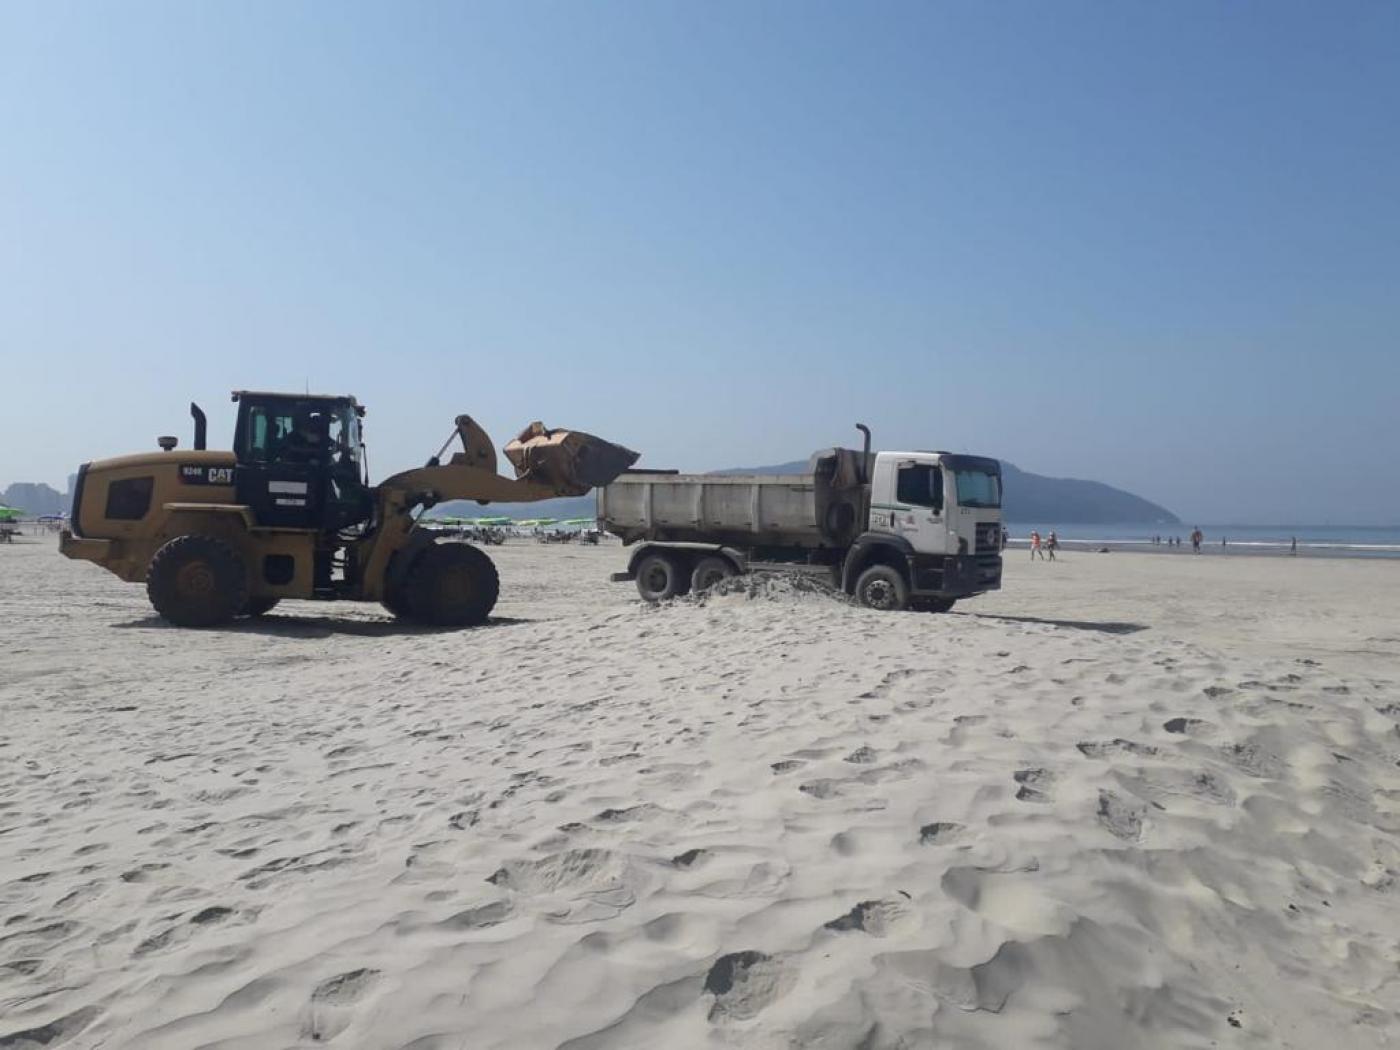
1129	801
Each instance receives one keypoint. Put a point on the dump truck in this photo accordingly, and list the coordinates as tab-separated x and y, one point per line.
290	512
896	530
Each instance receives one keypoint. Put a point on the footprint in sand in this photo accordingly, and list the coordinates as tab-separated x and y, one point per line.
1120	817
1035	785
745	983
1106	748
54	1033
332	1003
1186	726
878	918
939	832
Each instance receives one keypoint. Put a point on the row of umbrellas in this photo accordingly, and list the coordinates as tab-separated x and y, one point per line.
15	514
501	522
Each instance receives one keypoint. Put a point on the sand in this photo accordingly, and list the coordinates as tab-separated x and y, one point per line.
1130	801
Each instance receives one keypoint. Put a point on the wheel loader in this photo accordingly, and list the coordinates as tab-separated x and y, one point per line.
290	513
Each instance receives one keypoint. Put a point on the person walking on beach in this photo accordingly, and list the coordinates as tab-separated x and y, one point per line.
1293	547
1036	552
1196	538
1052	543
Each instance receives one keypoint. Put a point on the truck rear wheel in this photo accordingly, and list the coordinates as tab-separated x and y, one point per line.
660	576
450	585
709	571
197	581
882	587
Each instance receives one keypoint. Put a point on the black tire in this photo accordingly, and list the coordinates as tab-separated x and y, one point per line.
397	604
197	581
709	571
933	605
661	576
882	587
450	585
259	606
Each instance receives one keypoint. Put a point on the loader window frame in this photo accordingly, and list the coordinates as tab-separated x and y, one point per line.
268	431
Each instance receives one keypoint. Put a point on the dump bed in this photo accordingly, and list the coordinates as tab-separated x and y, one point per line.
740	509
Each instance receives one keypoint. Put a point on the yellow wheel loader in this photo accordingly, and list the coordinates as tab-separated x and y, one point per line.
290	513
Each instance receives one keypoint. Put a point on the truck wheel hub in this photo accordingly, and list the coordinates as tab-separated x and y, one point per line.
879	594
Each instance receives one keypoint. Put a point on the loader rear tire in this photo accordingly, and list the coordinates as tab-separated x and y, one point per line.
660	576
451	585
197	581
259	606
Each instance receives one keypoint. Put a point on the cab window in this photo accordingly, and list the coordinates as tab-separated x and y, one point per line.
268	433
920	485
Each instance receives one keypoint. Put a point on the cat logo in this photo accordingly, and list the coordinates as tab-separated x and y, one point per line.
197	474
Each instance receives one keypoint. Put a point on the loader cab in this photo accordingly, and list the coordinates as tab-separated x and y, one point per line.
301	461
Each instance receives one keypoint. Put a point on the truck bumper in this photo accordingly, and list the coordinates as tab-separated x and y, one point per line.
955	575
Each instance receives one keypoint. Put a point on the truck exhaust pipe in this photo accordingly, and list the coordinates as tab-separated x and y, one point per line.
200	426
864	454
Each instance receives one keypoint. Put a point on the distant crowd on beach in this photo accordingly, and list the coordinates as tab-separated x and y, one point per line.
1044	547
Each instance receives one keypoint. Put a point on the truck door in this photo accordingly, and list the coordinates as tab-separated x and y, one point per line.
918	513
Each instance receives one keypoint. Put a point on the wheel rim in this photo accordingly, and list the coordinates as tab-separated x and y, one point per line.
655	579
879	594
195	580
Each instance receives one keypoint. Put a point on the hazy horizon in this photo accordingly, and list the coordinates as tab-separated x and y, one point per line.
1153	246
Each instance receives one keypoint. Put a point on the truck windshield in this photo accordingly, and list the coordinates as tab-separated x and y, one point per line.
977	488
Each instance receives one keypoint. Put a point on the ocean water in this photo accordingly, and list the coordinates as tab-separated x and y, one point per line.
1313	540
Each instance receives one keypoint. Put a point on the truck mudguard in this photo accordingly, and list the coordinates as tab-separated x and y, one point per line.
862	552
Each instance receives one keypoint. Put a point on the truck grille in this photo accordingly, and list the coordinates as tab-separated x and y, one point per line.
988	538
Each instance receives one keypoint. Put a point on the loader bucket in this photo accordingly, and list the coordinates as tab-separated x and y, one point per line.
568	460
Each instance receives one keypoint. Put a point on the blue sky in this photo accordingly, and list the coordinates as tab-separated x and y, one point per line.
1156	245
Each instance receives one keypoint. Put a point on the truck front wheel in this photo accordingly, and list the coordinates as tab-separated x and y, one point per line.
882	587
659	577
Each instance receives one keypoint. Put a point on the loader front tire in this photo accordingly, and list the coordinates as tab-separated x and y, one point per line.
450	585
197	581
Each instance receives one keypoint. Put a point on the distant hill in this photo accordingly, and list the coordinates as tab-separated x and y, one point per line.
34	498
1028	498
1032	498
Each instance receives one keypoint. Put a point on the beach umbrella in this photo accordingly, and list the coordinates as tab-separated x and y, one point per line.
9	513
